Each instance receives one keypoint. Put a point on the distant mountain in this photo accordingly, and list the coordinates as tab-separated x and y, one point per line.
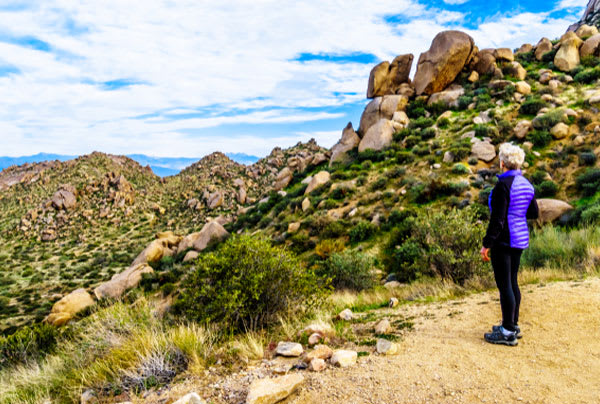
161	166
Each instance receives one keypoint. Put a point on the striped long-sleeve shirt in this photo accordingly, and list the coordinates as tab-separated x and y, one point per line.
511	202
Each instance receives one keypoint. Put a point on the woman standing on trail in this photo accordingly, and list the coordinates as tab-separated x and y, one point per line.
511	203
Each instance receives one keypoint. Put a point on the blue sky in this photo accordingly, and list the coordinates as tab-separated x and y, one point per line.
187	78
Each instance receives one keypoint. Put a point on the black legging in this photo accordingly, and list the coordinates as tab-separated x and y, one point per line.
505	262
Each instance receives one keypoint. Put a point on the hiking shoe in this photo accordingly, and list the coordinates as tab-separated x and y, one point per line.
518	333
498	337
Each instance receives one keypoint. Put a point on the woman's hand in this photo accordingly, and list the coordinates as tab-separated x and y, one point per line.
484	254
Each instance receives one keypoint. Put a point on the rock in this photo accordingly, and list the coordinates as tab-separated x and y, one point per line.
370	115
391	104
401	118
241	195
305	204
578	141
346	315
317	365
567	57
450	51
67	307
590	46
522	129
290	349
517	71
448	97
293	227
318	180
505	54
169	237
386	78
553	84
190	256
349	141
560	131
406	89
49	235
392	285
153	252
344	358
586	31
88	397
270	391
473	77
215	200
478	120
386	347
321	328
523	87
484	151
448	157
211	232
543	46
190	398
383	327
283	179
545	76
315	338
393	302
64	198
378	137
525	48
595	98
551	209
320	352
484	62
123	281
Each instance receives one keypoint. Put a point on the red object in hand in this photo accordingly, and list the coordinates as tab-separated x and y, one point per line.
484	254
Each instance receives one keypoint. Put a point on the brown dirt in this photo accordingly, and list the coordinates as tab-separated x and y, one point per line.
445	360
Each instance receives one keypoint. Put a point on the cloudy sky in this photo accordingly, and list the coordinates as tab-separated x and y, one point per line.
188	77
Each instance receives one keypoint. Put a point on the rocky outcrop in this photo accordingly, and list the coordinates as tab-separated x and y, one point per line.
67	307
551	209
319	179
210	233
386	78
448	97
484	62
283	179
381	108
567	57
378	137
349	141
543	46
122	282
450	51
270	391
590	46
64	198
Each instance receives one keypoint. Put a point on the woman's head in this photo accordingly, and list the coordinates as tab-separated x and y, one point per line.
511	156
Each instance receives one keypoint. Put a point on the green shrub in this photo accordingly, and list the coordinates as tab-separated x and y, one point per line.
587	76
428	133
27	343
464	101
540	138
587	158
460	169
443	123
404	157
548	57
532	106
301	243
591	215
548	120
421	122
416	109
362	231
546	189
350	270
334	230
589	182
246	284
379	183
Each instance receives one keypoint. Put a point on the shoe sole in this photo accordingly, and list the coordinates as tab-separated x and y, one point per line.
519	336
501	342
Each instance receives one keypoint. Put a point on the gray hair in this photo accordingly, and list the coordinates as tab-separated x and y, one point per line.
512	156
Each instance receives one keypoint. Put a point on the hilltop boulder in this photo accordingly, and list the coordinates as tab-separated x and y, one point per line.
386	78
349	140
567	57
543	46
590	46
586	31
378	137
381	108
504	54
551	209
67	307
484	62
450	51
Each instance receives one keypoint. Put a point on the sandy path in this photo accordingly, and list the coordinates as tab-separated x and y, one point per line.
445	360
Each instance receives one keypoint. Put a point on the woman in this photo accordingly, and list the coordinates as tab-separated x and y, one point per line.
511	203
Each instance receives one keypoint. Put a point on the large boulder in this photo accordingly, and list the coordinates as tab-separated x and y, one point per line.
484	150
153	252
543	46
567	57
586	31
560	130
522	87
64	198
517	71
590	46
66	308
283	179
484	62
215	200
319	179
211	232
448	97
123	281
450	51
381	108
349	140
378	137
504	54
551	209
270	391
386	78
522	129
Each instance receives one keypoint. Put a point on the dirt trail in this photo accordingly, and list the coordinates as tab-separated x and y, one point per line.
445	360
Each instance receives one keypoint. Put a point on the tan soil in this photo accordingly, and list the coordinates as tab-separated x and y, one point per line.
444	359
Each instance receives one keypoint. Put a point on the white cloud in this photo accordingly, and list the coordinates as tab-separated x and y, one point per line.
232	58
571	3
455	2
